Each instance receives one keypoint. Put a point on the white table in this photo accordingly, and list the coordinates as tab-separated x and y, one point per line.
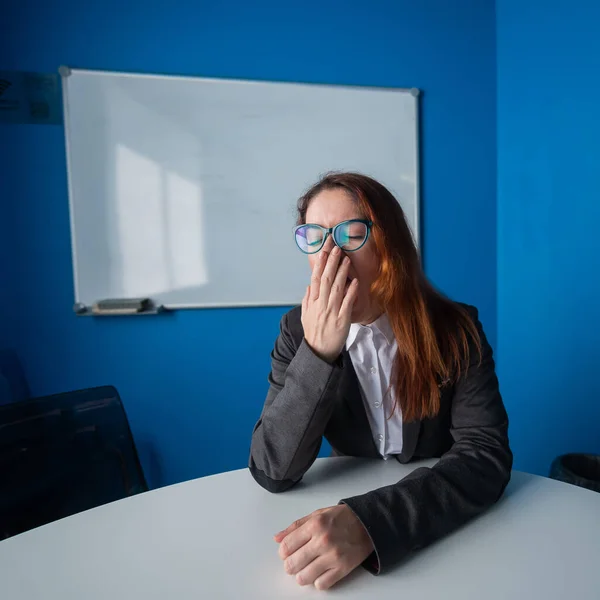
211	538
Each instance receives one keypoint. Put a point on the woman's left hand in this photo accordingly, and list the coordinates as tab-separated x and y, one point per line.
324	547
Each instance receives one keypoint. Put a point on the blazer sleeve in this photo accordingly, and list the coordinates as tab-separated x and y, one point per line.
431	502
287	437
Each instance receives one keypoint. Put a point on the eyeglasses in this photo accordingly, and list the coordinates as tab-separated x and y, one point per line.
350	236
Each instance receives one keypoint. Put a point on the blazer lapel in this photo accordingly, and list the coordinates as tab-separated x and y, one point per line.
351	397
350	391
410	435
349	394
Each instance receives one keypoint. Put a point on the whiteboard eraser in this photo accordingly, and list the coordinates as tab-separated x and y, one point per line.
79	308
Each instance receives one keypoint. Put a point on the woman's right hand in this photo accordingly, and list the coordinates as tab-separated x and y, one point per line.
326	308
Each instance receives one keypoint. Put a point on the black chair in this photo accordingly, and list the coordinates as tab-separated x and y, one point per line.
62	454
577	469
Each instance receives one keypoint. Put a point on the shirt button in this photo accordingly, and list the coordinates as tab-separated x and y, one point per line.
380	437
373	370
377	404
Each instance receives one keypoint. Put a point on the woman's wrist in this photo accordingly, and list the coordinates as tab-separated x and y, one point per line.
326	357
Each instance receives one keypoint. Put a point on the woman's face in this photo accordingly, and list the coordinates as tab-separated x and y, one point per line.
327	209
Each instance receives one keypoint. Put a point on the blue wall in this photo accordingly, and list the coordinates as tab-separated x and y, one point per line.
7	203
6	278
193	383
8	260
548	223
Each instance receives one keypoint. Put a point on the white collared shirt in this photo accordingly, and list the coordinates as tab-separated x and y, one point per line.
372	349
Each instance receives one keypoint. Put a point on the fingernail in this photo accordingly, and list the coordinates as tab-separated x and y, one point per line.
336	251
346	260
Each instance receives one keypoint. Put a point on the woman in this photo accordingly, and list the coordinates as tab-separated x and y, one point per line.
384	366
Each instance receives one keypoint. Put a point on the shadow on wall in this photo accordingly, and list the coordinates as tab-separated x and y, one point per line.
151	463
550	387
149	240
575	383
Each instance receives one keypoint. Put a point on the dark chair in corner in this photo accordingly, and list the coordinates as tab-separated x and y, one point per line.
13	385
63	454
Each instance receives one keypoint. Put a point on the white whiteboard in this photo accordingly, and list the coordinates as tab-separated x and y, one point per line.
183	189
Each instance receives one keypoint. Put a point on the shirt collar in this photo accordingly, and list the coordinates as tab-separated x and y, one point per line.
382	324
352	334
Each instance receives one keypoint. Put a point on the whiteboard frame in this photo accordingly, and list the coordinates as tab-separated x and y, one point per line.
65	72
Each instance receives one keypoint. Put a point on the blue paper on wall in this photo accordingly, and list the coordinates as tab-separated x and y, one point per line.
30	98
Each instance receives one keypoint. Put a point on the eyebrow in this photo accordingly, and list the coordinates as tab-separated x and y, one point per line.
342	221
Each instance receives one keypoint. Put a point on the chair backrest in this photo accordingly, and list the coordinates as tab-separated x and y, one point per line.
13	385
63	454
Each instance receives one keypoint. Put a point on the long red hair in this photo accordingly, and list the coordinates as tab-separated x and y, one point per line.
433	333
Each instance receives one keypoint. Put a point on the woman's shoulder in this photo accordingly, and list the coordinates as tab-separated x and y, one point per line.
291	324
469	309
458	320
447	308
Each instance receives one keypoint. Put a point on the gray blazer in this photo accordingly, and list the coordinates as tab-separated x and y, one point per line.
309	398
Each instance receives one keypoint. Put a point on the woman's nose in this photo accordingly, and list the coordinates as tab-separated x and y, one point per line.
328	245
